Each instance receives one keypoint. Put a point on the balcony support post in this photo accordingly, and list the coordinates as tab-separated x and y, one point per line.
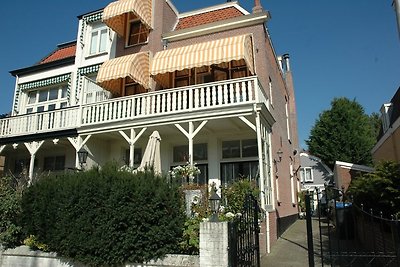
131	141
33	148
190	135
2	148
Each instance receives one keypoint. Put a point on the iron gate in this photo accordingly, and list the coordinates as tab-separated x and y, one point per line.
351	236
244	249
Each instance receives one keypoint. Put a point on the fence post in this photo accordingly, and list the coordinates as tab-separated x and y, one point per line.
309	232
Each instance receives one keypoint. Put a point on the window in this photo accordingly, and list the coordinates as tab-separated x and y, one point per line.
234	171
239	148
137	156
181	153
138	33
47	99
306	174
56	163
132	87
98	39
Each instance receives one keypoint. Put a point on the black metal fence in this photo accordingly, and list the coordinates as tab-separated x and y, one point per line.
244	249
351	236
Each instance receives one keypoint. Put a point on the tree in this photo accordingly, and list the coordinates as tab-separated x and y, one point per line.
379	190
343	133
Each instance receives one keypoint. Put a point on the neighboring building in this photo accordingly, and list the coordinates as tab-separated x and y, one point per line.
208	81
388	144
344	172
314	175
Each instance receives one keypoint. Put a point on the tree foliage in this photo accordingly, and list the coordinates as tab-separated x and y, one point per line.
379	190
105	216
343	133
11	190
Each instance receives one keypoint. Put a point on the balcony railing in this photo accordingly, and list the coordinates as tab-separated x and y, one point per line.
199	97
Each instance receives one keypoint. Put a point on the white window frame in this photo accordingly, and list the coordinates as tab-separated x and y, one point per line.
287	119
59	102
98	28
303	176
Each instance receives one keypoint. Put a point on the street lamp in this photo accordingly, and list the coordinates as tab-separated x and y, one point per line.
214	200
82	156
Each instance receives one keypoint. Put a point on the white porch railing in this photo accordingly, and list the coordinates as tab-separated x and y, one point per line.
94	93
39	122
165	102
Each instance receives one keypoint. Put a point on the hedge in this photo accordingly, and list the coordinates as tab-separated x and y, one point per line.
105	216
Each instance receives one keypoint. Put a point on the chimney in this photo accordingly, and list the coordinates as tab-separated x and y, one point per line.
257	6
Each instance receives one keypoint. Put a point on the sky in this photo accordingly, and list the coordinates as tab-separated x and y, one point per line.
337	48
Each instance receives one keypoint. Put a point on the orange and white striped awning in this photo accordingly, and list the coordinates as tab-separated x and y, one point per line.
114	13
134	66
204	54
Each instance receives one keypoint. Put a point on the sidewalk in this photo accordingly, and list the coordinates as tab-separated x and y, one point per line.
291	248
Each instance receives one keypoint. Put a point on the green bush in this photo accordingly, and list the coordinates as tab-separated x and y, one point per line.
11	189
235	194
105	217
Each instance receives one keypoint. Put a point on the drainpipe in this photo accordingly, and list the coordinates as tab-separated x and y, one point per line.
396	6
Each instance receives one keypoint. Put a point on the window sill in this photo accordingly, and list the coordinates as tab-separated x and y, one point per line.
96	55
138	44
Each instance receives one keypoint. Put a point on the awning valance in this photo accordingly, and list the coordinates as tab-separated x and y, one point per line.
113	71
114	13
204	54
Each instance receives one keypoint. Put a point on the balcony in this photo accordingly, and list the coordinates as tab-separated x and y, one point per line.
180	102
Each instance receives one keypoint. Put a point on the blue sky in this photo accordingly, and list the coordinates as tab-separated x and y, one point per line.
337	48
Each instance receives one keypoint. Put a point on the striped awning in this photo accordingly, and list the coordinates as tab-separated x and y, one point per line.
113	71
204	54
114	13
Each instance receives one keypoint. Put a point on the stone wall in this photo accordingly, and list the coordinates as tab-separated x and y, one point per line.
214	244
24	257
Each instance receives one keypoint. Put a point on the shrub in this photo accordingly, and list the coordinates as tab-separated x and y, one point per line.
11	189
235	194
105	217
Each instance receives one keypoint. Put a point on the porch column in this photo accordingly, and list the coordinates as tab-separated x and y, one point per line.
257	129
2	148
78	143
190	135
131	141
261	157
32	147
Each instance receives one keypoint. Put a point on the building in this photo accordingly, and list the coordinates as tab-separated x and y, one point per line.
314	176
344	172
388	143
208	81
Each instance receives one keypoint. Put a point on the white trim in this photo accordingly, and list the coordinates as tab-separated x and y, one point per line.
352	166
172	6
233	23
213	8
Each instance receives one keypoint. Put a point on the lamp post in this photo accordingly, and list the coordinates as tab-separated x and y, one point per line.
82	156
214	200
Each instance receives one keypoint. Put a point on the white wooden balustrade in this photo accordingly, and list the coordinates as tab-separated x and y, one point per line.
164	102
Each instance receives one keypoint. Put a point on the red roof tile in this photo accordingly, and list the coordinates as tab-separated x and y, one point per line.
208	17
60	53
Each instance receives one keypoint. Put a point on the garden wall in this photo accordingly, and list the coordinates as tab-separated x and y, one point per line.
23	256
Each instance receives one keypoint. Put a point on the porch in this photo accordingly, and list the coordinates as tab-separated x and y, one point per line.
222	98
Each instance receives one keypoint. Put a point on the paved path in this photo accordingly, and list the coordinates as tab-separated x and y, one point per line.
291	248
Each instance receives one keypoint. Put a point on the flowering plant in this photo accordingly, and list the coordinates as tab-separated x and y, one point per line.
186	171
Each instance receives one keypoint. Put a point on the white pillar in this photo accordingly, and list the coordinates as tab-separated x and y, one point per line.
32	147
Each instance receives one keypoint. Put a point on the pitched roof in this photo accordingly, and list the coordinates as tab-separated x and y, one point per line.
208	17
63	51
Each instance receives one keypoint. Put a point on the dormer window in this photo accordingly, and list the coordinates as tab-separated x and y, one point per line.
138	32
